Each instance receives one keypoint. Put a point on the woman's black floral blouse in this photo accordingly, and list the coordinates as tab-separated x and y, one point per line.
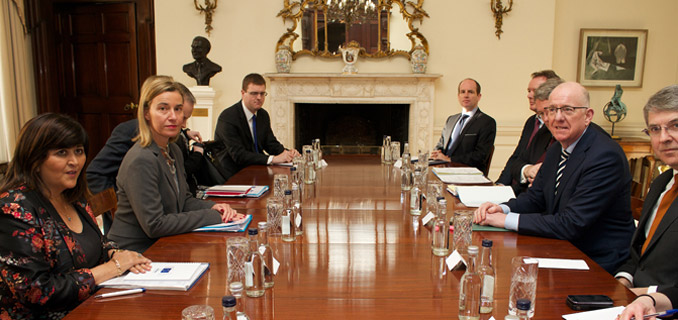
43	271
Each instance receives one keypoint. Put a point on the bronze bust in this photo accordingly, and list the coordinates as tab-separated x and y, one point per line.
202	69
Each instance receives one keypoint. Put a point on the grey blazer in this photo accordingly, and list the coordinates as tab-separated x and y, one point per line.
149	206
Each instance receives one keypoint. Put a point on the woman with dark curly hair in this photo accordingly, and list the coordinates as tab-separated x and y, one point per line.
52	253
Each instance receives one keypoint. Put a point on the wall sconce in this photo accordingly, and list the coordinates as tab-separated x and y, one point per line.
499	10
208	10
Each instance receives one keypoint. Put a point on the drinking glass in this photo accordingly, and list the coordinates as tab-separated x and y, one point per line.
274	207
523	282
237	249
198	312
387	153
395	151
463	221
280	184
434	189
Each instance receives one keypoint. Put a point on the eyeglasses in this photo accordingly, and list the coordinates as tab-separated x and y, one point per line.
566	110
254	94
656	131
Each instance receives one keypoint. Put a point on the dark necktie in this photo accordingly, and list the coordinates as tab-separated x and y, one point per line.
561	167
456	132
664	205
534	131
254	132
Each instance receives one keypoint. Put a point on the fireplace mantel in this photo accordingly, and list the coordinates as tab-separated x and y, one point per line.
417	90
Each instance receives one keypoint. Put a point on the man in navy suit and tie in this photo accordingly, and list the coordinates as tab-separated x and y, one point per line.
245	130
468	137
582	193
651	270
534	140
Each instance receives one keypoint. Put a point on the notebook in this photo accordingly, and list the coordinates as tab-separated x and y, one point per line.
179	276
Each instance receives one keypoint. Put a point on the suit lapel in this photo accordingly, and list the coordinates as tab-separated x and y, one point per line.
469	123
164	167
669	218
573	162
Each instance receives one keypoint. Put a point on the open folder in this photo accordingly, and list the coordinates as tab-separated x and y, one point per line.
162	276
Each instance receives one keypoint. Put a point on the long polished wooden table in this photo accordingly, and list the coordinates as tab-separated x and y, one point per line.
362	255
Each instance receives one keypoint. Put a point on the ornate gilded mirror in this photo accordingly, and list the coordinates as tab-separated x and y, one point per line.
383	28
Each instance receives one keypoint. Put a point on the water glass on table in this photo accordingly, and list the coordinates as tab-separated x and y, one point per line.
524	272
236	253
280	184
274	208
463	223
198	312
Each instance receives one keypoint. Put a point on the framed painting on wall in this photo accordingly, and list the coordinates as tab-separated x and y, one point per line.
608	57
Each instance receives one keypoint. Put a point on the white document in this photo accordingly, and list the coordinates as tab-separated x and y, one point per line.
230	188
474	196
573	264
601	314
464	175
457	171
177	278
166	271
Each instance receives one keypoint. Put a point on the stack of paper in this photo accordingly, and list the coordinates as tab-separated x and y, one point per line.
233	226
460	175
162	276
236	191
474	196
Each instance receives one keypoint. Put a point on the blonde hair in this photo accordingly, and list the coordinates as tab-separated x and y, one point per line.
152	87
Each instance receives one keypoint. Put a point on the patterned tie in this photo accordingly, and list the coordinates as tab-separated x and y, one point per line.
561	167
254	132
456	132
664	205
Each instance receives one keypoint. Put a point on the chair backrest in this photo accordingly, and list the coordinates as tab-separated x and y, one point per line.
643	170
489	162
104	201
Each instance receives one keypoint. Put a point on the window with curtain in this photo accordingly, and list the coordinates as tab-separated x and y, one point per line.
17	95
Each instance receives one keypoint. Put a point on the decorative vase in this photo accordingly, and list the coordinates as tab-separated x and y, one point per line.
283	59
418	59
350	54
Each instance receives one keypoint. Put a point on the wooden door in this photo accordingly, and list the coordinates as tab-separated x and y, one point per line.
97	65
90	58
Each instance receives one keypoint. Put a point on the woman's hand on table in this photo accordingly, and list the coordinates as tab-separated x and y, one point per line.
227	213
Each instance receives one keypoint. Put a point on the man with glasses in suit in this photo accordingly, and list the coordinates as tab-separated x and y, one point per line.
245	130
648	272
582	191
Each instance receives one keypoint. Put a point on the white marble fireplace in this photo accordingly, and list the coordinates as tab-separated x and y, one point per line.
417	90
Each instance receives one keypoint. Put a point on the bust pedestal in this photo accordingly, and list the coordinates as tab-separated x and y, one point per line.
201	120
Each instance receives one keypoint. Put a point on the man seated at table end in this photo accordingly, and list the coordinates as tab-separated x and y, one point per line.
468	137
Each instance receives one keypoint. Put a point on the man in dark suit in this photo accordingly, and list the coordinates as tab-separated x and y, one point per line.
582	191
533	142
245	130
656	240
468	137
202	69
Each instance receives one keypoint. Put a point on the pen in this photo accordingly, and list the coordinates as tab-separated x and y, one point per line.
659	314
120	293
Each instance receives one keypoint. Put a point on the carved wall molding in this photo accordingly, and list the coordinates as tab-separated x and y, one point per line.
417	90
